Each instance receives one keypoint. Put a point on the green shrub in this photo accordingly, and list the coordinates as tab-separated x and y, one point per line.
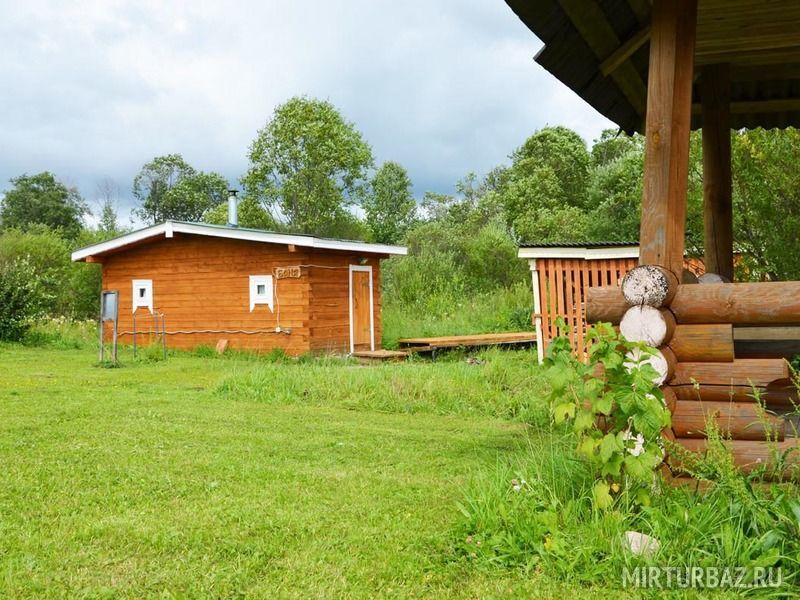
73	289
624	400
22	298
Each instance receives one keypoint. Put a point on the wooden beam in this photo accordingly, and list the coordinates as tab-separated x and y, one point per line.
715	91
591	23
750	455
740	107
759	303
697	343
93	259
781	395
778	72
668	120
766	334
737	420
767	303
625	51
758	372
292	248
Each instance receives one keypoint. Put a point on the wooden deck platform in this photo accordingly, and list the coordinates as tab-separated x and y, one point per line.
455	341
432	344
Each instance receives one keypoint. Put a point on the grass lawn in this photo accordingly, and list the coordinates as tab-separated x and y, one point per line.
172	479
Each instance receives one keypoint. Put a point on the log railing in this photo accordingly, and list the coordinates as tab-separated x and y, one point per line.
730	342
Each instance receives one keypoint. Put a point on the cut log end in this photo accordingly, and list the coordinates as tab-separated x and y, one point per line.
647	324
649	285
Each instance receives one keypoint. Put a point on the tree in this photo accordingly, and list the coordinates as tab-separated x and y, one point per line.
41	199
169	188
390	208
307	164
562	151
766	202
107	192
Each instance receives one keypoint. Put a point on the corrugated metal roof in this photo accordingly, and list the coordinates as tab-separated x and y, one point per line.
619	244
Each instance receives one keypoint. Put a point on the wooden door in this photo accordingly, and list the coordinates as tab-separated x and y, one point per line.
361	337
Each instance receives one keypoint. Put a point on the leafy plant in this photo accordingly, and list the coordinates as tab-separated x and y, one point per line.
22	298
616	410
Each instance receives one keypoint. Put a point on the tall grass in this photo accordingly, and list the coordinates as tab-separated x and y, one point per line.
62	333
537	512
502	384
447	313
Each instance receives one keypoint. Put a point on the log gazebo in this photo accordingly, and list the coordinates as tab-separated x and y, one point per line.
663	68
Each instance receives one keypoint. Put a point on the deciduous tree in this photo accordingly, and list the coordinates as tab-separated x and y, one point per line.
389	207
168	187
42	200
307	164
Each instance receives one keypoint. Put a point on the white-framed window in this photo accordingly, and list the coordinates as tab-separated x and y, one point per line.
143	294
261	291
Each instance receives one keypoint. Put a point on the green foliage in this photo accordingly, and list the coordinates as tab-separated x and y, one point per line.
167	187
628	448
22	298
308	164
389	206
615	192
42	200
767	202
540	512
72	289
561	151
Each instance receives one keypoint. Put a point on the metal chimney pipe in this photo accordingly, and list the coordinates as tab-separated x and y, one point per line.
233	209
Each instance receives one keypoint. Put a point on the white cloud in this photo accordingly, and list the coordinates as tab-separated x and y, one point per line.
95	89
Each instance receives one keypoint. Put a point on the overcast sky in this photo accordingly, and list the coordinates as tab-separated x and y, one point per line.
93	90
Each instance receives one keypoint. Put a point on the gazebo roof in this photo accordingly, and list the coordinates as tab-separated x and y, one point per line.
600	49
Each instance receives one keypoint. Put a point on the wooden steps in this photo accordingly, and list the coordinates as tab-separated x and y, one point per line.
379	356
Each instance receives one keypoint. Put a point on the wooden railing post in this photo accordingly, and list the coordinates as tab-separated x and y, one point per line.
715	89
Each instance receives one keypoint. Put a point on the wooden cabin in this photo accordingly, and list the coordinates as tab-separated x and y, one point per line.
663	68
256	289
562	274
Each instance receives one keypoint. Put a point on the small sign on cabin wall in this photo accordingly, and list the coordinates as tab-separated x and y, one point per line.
287	272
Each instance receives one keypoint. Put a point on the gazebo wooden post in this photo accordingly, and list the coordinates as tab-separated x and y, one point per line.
715	90
668	121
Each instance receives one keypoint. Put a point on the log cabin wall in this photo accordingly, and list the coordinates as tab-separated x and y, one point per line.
201	285
329	323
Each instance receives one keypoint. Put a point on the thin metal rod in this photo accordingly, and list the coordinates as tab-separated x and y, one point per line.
164	334
101	337
114	342
134	335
